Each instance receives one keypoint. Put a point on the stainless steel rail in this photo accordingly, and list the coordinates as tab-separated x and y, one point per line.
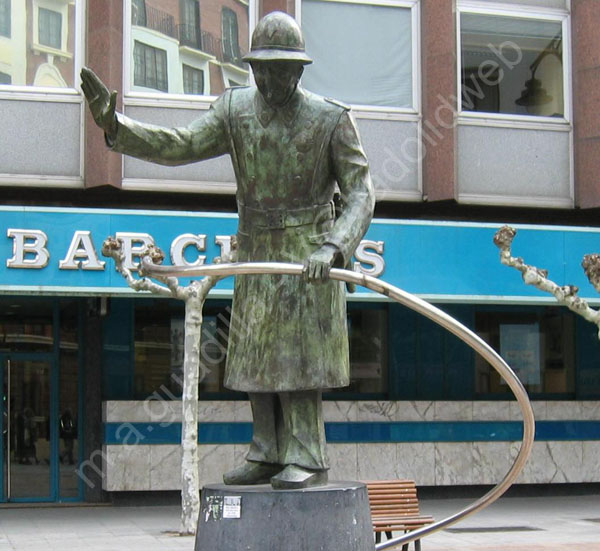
421	307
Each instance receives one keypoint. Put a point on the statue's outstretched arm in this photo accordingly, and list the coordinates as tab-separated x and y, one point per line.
205	138
101	102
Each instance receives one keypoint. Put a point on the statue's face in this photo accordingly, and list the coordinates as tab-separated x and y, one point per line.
277	80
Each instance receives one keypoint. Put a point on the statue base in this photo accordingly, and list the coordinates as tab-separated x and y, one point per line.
258	518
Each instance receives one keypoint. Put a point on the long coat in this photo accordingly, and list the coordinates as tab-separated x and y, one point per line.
286	334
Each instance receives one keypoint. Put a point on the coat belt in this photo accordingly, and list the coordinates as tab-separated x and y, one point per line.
279	219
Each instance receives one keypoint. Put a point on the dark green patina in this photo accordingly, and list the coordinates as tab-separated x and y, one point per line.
291	151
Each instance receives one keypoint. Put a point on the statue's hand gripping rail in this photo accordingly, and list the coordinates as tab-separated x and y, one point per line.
419	306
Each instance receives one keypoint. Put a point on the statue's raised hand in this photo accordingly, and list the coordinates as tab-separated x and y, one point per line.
102	102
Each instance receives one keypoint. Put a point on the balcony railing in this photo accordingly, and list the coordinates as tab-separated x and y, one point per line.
155	19
190	35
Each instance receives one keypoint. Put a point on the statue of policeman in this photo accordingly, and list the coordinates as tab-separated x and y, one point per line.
291	151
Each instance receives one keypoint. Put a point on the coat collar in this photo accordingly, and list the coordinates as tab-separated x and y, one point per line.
286	114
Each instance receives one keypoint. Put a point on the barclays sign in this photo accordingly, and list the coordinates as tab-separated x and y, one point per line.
48	245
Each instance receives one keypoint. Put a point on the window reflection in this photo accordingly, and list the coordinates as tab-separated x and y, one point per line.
159	338
26	325
538	346
511	65
37	43
189	47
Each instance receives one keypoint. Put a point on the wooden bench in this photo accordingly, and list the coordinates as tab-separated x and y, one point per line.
394	507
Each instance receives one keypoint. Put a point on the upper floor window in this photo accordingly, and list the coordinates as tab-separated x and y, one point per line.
5	18
512	65
150	69
138	12
41	39
50	28
231	45
202	59
189	28
364	53
193	80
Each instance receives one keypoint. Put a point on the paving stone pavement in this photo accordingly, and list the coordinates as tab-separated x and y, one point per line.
511	524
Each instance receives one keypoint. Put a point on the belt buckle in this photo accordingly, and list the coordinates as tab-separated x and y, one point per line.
275	219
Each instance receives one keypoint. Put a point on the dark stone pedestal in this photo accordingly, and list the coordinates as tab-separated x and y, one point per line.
328	518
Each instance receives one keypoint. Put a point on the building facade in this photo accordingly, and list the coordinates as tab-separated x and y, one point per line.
473	114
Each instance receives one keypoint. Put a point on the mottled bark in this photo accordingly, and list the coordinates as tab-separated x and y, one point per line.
193	296
565	294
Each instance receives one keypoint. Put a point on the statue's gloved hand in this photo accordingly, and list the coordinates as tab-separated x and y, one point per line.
318	264
102	102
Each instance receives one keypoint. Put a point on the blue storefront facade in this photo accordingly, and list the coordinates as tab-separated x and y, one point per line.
91	370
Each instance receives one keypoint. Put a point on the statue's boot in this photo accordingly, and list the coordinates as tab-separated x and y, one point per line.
251	472
294	477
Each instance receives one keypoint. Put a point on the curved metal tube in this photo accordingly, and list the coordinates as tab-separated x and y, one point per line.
421	307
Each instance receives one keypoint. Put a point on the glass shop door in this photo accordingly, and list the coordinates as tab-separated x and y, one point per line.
27	454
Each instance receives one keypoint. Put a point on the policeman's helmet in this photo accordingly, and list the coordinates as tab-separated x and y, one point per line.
277	37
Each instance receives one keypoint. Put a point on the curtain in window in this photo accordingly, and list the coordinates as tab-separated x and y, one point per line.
231	46
362	53
193	80
189	32
50	28
138	12
150	67
5	18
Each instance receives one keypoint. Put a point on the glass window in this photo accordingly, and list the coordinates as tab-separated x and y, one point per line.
5	79
138	12
511	65
362	52
38	43
159	338
189	28
50	28
368	342
26	325
210	37
5	18
538	345
150	70
231	45
68	426
193	80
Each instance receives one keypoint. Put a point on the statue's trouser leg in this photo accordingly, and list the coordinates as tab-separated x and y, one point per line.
302	440
289	430
267	421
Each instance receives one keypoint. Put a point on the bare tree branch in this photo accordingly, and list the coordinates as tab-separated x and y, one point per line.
193	296
565	294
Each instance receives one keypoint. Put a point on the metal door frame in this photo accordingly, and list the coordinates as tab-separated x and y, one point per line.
50	359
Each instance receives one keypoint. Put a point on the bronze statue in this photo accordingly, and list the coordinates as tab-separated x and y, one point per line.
291	150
